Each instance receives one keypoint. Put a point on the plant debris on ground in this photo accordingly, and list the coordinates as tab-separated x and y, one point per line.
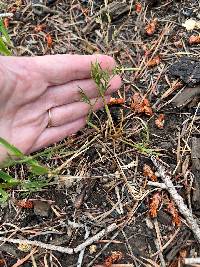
125	193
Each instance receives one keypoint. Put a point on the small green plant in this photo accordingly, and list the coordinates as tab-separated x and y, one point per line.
5	41
101	78
86	100
8	182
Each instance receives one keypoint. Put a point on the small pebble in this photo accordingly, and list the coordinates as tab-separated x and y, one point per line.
187	12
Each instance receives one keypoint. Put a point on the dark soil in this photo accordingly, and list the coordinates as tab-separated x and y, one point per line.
109	185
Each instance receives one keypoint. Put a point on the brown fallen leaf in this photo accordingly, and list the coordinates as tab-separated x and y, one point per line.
49	40
6	22
154	205
116	101
39	28
26	204
154	61
159	122
141	105
2	262
147	171
138	7
114	257
173	211
151	27
194	39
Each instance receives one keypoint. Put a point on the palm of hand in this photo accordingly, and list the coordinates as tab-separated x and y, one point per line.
31	86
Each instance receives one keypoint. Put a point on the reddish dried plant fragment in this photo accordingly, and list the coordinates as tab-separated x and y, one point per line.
173	211
39	28
2	262
183	253
154	62
154	205
159	122
178	44
26	204
49	40
151	27
194	39
116	101
113	258
6	22
179	260
147	107
138	7
141	105
147	171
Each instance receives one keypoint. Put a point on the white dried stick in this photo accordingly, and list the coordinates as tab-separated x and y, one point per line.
164	174
66	250
191	261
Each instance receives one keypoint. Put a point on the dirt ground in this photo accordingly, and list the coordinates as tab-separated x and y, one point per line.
105	180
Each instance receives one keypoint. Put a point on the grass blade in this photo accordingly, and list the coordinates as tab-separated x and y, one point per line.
3	48
12	149
33	186
8	179
3	196
36	168
84	97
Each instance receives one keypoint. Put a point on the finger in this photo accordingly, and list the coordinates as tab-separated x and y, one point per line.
60	69
56	134
70	92
72	112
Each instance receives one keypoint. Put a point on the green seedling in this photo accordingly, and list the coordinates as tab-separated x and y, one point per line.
5	41
34	167
86	100
141	147
102	79
33	164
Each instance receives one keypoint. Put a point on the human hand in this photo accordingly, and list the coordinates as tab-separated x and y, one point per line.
30	87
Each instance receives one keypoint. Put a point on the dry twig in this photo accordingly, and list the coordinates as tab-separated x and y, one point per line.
66	250
80	258
165	175
192	261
